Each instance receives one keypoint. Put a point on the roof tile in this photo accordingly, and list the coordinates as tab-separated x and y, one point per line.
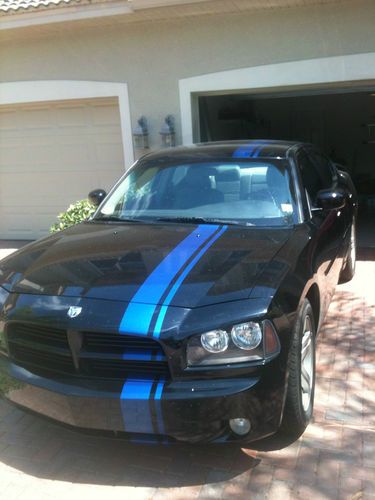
15	5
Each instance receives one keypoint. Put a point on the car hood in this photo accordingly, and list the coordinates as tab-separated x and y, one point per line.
148	263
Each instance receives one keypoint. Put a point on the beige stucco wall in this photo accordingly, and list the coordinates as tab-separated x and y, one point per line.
152	57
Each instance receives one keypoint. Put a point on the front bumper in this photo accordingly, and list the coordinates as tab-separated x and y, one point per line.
191	410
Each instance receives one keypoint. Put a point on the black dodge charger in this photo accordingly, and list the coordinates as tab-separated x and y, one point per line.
188	306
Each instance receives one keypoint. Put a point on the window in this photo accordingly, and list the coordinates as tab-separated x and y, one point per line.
311	179
324	168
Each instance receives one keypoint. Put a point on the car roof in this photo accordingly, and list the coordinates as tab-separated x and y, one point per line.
255	148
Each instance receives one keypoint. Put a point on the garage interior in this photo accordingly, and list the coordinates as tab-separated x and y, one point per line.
341	123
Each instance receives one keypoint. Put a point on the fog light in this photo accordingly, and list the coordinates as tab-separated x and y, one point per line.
240	426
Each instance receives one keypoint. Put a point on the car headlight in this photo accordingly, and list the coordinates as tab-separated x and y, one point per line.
247	335
215	341
244	342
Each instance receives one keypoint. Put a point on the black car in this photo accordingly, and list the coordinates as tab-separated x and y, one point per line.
188	306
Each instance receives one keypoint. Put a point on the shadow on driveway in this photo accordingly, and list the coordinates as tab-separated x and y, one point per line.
44	449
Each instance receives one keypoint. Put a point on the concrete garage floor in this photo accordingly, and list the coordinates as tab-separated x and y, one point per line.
334	459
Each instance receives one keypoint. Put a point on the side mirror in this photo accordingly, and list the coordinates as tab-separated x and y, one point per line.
97	196
328	199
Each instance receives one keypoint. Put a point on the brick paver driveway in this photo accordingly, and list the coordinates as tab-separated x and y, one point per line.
335	458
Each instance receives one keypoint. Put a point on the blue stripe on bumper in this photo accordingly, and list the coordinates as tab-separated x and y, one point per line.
137	412
135	406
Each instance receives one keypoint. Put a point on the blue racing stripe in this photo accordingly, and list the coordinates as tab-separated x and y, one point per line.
159	413
136	389
259	148
244	151
137	318
177	284
250	150
142	355
139	313
135	407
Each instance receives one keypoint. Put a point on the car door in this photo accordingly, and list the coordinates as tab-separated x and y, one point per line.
327	227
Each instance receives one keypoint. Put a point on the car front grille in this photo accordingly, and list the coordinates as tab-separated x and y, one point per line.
42	349
37	334
27	356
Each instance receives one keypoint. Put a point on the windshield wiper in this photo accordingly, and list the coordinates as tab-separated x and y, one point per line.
203	220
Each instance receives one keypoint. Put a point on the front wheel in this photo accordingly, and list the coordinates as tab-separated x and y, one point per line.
301	380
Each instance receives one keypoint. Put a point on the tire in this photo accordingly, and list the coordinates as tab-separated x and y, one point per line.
348	271
299	401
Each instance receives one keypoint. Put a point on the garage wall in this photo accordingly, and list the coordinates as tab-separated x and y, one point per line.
152	57
52	154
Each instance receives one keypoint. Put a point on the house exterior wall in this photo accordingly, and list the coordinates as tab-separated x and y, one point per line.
152	57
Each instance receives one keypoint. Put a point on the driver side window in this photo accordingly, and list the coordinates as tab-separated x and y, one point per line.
311	180
324	168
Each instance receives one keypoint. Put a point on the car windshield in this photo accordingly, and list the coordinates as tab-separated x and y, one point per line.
248	193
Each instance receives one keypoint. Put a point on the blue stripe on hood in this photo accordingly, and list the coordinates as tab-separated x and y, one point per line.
177	284
139	313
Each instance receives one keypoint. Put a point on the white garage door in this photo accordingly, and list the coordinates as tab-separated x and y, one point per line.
52	154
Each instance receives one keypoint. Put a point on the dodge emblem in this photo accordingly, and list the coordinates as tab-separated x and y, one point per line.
74	311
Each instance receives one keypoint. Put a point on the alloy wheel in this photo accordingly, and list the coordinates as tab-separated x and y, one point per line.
307	364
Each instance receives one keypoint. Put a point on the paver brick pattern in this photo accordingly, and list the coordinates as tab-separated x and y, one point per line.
334	459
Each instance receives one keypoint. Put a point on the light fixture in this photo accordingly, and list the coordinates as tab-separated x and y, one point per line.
140	134
168	133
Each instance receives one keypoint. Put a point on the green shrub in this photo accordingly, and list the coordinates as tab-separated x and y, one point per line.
7	384
76	213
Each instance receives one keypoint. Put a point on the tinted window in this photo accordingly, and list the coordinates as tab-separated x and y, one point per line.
311	180
324	168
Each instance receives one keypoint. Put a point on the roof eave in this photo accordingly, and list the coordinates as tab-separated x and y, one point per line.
75	12
34	16
98	9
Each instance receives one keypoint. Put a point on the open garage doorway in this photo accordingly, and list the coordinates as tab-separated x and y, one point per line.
341	123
